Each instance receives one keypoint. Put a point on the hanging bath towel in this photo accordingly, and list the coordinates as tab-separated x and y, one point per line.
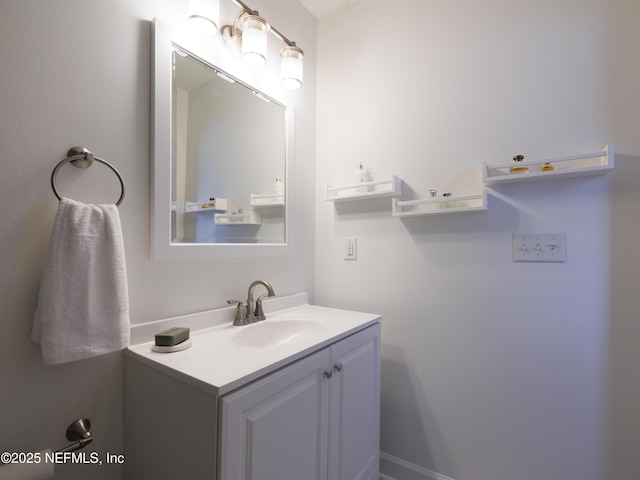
83	306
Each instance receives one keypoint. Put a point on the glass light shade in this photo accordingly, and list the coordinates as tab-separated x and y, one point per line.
291	70
203	16
254	40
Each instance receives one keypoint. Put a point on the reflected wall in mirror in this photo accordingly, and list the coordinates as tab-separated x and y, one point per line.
228	164
218	146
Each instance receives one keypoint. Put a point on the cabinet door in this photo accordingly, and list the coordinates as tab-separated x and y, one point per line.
354	433
276	428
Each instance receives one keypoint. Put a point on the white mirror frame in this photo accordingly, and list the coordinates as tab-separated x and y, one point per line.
161	148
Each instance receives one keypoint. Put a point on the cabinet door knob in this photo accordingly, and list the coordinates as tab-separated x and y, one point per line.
338	367
328	374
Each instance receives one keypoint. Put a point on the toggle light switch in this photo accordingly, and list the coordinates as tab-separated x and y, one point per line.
539	247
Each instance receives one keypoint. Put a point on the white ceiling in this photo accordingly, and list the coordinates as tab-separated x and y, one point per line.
320	8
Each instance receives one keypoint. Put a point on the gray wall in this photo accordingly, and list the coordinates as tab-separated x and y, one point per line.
77	72
492	370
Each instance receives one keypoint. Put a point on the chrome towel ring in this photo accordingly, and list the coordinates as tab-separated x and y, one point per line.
82	158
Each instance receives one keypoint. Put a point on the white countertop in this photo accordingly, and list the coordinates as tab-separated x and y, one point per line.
224	357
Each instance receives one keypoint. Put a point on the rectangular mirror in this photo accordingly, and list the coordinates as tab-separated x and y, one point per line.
220	167
228	164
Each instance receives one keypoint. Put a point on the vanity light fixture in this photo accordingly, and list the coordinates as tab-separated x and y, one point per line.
248	35
203	16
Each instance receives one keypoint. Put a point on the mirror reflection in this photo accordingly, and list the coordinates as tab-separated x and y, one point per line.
228	161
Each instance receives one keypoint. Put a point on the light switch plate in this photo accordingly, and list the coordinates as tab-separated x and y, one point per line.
539	247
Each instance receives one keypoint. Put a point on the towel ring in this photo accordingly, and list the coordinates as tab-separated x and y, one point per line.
82	158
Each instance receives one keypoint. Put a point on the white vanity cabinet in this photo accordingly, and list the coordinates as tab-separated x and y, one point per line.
305	409
317	419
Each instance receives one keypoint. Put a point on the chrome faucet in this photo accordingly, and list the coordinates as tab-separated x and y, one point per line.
257	313
253	311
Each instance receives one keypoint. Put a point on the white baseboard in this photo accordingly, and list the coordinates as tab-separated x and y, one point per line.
394	468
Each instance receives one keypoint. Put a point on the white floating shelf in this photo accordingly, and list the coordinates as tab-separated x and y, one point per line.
440	205
366	190
215	205
247	218
586	164
269	200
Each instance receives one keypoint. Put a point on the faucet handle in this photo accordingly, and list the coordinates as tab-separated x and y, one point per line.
259	312
241	312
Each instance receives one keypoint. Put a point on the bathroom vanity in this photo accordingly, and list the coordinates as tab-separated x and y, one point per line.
296	396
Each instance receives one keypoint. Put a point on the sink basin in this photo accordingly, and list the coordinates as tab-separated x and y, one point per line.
274	333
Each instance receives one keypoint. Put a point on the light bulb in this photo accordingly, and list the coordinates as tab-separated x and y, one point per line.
291	70
254	40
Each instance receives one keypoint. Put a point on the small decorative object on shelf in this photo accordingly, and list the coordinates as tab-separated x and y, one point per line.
581	165
361	176
519	168
435	203
450	203
278	186
433	194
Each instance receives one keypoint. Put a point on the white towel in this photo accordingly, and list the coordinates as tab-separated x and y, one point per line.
83	306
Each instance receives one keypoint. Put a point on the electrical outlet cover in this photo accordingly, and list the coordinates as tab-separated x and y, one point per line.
350	248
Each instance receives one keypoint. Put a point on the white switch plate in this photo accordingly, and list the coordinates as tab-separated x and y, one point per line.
539	247
350	248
